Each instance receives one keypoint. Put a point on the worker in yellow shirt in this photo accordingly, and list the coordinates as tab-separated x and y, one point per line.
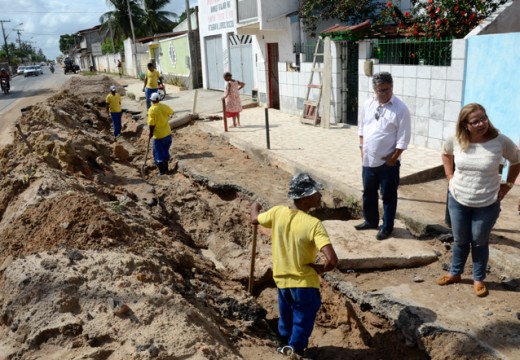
151	84
296	239
113	101
161	132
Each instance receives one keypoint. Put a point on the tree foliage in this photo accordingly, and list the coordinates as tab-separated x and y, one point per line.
120	21
68	42
157	21
347	11
436	18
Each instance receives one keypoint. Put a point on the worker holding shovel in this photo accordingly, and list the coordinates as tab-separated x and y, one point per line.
161	132
296	239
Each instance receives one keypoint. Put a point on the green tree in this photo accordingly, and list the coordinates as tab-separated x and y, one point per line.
436	18
348	11
106	46
68	42
157	21
119	20
182	16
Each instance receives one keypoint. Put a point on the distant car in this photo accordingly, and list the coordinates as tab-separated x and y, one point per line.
31	71
20	70
39	69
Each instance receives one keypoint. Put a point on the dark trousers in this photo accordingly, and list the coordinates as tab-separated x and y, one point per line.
387	178
298	309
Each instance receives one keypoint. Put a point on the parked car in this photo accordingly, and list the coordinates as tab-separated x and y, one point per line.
39	68
20	70
31	71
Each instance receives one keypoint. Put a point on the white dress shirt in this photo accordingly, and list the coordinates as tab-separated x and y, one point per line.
382	136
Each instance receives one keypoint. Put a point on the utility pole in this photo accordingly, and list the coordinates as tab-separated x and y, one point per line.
18	31
5	43
133	38
194	57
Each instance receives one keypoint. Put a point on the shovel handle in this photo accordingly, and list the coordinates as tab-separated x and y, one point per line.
145	157
253	255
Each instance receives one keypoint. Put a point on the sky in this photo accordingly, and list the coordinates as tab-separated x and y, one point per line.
45	20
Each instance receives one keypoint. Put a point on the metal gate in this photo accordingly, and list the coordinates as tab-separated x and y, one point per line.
241	54
349	88
214	62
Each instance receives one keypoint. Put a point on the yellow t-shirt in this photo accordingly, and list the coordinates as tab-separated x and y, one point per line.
158	117
114	102
296	239
151	79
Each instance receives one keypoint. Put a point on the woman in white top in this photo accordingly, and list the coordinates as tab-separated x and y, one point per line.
475	190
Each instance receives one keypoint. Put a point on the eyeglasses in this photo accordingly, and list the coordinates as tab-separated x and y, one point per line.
379	112
477	122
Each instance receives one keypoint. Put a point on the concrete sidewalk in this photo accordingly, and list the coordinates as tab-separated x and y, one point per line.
332	156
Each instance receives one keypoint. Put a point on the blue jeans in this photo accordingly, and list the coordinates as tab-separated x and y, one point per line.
385	177
116	120
161	149
148	92
471	228
298	309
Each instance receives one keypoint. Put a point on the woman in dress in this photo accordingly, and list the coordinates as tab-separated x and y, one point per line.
232	97
475	190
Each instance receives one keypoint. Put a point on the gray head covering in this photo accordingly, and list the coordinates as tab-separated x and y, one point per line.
302	185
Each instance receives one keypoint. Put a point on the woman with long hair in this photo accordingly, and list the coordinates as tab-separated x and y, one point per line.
471	162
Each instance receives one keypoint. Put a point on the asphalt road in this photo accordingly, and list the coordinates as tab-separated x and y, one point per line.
27	91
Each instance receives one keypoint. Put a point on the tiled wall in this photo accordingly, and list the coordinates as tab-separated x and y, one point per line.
433	94
293	86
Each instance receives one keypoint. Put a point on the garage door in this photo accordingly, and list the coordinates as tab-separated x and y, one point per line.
214	62
241	54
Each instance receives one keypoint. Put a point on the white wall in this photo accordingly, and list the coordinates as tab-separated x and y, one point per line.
432	93
107	63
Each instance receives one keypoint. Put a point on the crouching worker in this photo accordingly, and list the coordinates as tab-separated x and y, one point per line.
161	132
296	239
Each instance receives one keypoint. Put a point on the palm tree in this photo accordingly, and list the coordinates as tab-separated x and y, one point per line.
120	22
157	21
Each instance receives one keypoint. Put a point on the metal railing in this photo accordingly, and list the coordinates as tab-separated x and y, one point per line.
412	52
247	10
307	49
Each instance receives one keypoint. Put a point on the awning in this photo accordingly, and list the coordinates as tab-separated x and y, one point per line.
347	32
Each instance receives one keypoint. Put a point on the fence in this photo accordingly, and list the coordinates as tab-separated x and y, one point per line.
307	49
412	52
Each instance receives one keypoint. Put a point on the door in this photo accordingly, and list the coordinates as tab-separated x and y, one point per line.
215	62
241	54
349	88
272	75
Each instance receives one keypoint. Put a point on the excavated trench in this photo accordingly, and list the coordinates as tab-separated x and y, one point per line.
97	263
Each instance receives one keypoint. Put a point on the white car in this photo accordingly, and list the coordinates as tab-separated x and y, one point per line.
31	71
20	70
39	69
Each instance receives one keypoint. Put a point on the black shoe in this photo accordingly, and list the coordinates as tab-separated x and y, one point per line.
383	235
365	226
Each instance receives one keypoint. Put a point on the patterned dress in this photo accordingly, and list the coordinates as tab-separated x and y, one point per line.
233	105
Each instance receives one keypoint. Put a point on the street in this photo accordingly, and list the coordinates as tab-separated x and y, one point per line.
25	92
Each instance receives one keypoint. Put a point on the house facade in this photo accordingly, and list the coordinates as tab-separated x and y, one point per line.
282	69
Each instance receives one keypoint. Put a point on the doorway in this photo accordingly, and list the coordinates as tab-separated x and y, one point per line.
272	75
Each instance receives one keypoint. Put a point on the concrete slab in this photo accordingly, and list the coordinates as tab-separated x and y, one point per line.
361	250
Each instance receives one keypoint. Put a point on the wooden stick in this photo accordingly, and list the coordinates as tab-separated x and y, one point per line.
143	169
224	113
253	255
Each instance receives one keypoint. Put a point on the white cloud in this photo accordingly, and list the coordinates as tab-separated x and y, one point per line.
45	20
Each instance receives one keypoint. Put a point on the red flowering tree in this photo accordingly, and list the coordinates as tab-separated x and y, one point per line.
436	18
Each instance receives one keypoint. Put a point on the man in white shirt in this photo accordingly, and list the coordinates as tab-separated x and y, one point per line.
384	133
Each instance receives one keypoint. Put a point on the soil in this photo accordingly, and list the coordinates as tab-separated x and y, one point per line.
98	262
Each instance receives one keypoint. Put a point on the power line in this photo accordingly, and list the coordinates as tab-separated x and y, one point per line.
54	12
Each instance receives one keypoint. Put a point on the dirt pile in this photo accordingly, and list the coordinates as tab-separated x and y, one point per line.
98	263
90	270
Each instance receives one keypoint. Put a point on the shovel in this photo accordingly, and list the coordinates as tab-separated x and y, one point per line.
253	254
143	169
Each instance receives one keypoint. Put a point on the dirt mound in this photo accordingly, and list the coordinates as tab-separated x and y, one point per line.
90	268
